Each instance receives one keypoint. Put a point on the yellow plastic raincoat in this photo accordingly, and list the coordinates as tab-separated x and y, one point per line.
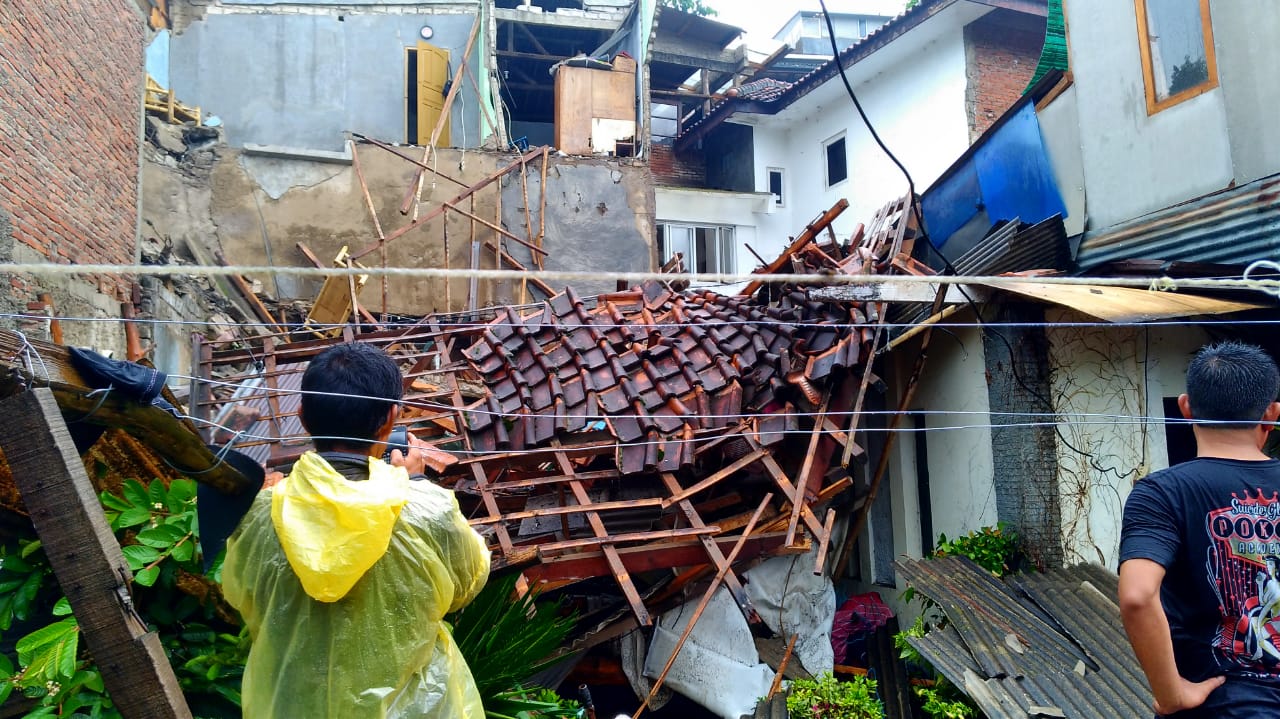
344	585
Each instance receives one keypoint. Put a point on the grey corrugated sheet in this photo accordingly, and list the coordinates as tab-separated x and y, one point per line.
1042	246
1235	226
1074	655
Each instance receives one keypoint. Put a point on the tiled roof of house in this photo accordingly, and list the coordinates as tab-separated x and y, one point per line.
766	89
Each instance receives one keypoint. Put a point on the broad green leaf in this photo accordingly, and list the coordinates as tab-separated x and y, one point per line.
147	577
94	682
31	548
161	536
156	493
62	608
6	688
184	551
6	668
50	653
139	555
111	501
135	493
181	491
15	563
134	516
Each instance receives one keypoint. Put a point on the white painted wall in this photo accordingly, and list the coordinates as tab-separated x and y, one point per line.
953	389
917	105
1118	375
740	210
1135	163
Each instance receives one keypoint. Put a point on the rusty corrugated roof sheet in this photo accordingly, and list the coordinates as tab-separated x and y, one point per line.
1032	645
1234	226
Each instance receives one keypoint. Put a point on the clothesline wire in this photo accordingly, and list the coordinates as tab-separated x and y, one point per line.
423	404
443	326
1161	283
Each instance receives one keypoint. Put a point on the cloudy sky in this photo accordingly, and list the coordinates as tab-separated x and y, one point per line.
764	18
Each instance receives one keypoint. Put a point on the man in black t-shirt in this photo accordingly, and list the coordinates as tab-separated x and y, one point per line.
1200	550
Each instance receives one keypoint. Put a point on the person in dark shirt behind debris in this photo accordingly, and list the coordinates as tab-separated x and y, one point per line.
1200	550
345	569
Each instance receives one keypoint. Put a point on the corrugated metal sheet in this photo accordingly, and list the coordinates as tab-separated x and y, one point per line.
1050	642
1042	246
1235	226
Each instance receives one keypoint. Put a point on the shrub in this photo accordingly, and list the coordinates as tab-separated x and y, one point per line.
829	698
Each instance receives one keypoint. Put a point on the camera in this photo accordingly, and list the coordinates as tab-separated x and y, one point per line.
399	439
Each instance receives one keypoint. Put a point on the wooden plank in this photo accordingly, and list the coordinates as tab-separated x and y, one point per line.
713	551
825	543
619	570
895	289
553	548
489	180
806	471
810	232
644	558
791	491
495	228
588	507
482	483
157	429
259	310
86	557
515	264
715	478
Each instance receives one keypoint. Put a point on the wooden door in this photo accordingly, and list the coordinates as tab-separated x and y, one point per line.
433	73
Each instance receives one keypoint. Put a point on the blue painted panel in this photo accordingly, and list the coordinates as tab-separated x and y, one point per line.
1008	175
1017	180
951	203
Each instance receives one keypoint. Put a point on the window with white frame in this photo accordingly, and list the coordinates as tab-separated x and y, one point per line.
705	248
837	157
775	176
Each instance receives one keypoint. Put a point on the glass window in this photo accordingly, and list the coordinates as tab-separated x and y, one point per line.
775	186
706	249
837	161
664	122
1176	40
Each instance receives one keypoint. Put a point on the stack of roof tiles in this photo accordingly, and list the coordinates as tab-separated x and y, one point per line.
652	366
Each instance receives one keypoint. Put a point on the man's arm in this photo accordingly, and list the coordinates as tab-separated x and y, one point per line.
1148	629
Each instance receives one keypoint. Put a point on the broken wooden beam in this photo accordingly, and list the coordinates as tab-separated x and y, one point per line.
164	434
86	558
810	232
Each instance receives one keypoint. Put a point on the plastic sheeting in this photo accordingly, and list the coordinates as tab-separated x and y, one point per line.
719	666
381	651
791	599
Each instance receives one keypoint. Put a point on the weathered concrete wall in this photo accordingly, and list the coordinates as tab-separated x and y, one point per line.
256	209
301	77
1024	456
600	218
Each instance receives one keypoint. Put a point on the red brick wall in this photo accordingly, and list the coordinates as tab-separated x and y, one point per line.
669	169
71	78
1002	49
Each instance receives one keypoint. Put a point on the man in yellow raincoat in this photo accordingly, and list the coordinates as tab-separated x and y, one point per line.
344	570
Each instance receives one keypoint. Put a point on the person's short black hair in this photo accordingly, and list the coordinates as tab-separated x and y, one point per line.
358	385
1232	382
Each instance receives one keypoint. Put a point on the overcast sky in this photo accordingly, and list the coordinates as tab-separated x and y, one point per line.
763	18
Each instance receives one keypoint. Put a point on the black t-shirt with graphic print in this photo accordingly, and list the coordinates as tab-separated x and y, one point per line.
1214	525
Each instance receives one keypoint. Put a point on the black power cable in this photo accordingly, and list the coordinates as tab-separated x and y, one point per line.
915	209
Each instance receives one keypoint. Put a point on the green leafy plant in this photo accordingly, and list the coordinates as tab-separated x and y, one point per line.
944	701
157	528
995	549
539	703
506	640
829	698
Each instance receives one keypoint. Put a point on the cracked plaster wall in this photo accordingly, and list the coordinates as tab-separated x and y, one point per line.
1111	374
256	209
